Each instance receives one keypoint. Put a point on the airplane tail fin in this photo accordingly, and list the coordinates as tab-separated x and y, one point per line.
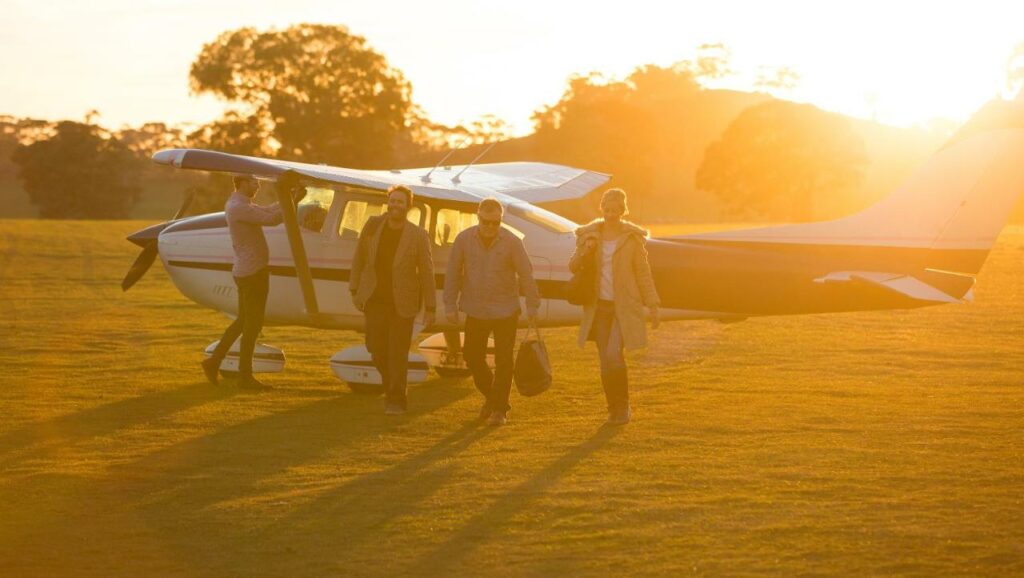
954	205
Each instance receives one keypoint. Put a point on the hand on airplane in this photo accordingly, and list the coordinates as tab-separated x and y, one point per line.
428	318
453	318
655	317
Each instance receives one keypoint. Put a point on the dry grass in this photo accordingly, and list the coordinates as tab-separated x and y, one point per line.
861	444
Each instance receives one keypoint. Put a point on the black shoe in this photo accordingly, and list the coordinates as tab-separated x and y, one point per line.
211	367
250	382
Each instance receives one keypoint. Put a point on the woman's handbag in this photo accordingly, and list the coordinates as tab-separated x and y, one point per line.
580	288
532	371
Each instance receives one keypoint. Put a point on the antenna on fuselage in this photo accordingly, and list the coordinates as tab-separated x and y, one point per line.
455	179
426	178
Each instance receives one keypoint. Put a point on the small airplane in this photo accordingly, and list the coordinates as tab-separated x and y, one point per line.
920	246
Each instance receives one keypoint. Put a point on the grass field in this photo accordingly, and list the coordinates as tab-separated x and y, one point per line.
886	443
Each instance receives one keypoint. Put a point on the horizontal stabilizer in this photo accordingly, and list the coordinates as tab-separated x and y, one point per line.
942	287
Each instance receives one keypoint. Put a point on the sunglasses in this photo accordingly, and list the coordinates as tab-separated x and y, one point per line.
490	222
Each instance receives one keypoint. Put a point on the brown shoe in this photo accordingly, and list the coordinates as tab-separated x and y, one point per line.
485	411
211	367
498	418
250	382
619	416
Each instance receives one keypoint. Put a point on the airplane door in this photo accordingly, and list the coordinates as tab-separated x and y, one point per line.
356	210
542	274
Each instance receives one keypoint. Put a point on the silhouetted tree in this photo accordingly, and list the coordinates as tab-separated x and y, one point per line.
310	92
775	158
150	138
641	129
781	79
80	172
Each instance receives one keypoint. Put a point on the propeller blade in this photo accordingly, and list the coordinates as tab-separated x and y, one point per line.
142	264
189	196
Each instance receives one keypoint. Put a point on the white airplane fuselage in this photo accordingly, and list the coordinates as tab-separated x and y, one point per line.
197	255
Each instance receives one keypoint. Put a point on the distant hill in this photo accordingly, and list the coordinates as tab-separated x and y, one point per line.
676	153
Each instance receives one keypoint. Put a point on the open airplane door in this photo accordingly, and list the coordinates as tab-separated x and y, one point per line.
542	274
285	187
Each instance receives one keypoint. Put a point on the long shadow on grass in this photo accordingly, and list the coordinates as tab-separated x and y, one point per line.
442	559
36	439
179	488
231	462
350	513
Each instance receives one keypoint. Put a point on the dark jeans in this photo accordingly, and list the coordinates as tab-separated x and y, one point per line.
388	337
497	386
608	336
252	303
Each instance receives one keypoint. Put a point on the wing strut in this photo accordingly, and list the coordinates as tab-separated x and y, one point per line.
285	184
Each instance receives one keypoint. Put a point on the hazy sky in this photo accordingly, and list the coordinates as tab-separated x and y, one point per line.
901	61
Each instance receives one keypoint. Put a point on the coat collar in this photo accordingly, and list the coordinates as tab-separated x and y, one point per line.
593	229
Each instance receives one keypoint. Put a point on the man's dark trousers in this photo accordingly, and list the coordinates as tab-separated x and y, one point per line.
497	386
252	304
388	337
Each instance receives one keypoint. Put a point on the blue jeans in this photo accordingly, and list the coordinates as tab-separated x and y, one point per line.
608	336
252	304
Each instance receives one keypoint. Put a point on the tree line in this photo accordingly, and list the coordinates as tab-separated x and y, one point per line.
320	94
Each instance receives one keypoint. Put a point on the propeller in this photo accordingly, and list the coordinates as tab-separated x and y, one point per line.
148	240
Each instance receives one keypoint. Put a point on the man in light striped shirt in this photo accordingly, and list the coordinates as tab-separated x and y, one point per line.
246	220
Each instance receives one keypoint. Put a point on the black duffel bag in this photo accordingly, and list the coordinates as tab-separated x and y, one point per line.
581	286
533	368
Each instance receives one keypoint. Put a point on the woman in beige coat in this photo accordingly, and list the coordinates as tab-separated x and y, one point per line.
623	286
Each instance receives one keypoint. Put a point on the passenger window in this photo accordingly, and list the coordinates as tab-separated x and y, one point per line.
414	215
449	224
355	216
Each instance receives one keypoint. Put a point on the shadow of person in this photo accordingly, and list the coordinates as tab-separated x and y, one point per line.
36	439
341	516
442	559
182	499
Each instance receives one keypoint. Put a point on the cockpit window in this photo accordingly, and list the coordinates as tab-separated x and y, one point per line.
546	219
312	210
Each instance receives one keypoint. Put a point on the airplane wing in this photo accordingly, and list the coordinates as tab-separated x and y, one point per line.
937	286
509	182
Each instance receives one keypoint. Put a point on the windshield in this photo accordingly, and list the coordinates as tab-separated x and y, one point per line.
546	219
